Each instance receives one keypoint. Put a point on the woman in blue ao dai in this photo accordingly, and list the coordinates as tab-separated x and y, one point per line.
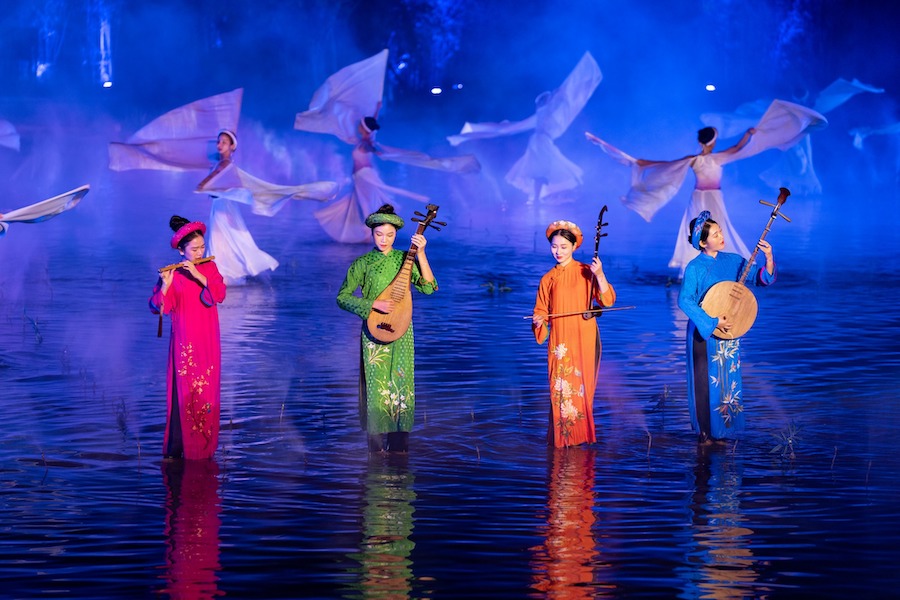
715	393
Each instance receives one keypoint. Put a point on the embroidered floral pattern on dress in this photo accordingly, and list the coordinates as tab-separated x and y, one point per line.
727	360
394	400
196	407
377	353
567	387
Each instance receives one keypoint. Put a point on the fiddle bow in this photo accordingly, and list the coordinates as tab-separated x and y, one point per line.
593	310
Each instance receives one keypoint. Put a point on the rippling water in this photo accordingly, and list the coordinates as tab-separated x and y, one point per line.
293	506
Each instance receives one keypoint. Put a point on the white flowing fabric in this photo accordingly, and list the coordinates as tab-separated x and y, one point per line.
861	133
227	238
265	198
46	209
180	139
543	164
343	219
794	169
336	108
483	131
345	98
839	91
9	137
652	186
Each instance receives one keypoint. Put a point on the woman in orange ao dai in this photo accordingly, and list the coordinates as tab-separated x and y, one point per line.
573	355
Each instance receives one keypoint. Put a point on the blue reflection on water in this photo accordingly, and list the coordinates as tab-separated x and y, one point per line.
293	506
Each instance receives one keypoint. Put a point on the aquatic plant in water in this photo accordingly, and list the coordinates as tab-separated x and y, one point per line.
786	439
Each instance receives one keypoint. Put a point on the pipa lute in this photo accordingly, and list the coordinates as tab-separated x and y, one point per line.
389	327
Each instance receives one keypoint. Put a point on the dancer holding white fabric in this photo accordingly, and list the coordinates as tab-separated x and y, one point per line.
237	254
347	106
794	168
178	141
654	183
543	170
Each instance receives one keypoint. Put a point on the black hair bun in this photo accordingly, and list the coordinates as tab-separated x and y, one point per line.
706	135
371	123
386	209
177	222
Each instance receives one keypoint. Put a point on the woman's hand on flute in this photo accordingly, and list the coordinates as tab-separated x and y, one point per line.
195	273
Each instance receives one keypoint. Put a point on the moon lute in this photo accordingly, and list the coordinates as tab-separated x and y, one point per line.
734	299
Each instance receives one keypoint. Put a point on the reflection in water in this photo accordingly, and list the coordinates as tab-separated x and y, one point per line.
385	566
563	566
192	528
721	548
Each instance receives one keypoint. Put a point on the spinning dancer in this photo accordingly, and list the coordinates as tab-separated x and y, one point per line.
654	183
178	141
543	170
347	106
794	168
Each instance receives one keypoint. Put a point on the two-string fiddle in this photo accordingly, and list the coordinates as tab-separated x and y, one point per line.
593	310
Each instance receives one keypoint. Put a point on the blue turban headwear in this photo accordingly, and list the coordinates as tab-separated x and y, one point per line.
698	228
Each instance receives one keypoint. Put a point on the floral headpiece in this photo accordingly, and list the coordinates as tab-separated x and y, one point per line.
567	226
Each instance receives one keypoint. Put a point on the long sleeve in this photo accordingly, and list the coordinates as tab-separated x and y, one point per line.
689	300
606	299
542	307
426	287
160	303
346	299
214	292
759	276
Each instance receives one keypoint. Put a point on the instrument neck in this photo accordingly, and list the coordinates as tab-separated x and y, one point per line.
401	281
752	259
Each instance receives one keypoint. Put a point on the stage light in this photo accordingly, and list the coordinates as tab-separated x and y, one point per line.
107	84
436	91
710	87
457	86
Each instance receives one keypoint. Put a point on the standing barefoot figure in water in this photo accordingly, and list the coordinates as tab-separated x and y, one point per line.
387	397
189	295
573	355
715	399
